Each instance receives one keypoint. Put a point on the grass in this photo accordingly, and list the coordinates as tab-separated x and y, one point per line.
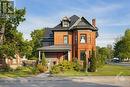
106	70
14	74
71	73
23	72
111	70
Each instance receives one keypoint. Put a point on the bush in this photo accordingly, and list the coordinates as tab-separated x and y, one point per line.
44	62
41	68
93	62
6	68
66	66
34	70
55	69
76	66
27	69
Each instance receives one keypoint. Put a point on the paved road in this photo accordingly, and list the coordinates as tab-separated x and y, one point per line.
121	64
44	81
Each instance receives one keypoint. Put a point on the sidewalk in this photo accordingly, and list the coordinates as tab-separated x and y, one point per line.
123	81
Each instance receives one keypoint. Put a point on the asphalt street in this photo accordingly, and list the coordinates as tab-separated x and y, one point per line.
43	80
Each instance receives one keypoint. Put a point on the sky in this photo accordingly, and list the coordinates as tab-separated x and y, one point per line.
112	16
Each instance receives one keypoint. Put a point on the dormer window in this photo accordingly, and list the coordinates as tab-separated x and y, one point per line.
65	22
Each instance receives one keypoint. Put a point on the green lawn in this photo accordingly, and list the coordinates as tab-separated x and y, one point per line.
107	70
13	74
71	73
23	72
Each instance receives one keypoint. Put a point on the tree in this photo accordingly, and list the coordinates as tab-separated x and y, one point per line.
122	47
103	54
93	62
85	63
12	38
44	62
35	42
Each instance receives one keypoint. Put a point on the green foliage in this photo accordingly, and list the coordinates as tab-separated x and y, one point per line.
122	47
13	39
35	42
55	69
85	64
6	68
76	66
93	62
41	68
103	55
44	62
28	69
66	66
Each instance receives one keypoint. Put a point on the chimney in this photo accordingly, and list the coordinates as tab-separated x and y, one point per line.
94	22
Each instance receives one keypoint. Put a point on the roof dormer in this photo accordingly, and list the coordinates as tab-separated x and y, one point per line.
65	22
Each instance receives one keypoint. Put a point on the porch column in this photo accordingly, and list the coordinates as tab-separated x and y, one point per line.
69	56
39	55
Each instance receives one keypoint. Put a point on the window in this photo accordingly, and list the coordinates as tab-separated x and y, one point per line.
82	55
65	39
76	39
88	39
82	38
65	24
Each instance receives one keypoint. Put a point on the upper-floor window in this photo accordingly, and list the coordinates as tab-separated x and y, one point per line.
83	38
65	24
65	39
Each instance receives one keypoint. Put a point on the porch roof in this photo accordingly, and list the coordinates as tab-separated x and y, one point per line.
55	48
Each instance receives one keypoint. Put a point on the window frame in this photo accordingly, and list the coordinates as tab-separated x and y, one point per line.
81	56
85	38
64	39
65	24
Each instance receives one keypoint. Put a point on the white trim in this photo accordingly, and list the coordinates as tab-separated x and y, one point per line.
39	58
68	55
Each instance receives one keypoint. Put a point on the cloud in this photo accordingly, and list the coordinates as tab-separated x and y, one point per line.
35	22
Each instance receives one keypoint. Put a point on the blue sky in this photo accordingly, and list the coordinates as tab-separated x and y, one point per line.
112	16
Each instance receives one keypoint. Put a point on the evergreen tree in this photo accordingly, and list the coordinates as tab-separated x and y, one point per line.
85	64
44	62
93	62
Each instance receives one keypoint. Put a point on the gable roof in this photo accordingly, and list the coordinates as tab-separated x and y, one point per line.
76	22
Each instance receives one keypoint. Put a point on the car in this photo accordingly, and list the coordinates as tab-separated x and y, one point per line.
116	60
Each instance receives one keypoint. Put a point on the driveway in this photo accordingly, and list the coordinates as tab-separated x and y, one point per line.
46	81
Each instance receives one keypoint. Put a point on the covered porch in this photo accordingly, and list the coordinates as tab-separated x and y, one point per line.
55	53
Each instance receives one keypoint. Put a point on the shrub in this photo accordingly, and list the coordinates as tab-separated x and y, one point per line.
41	68
65	66
93	62
27	69
76	66
6	68
34	70
44	62
55	69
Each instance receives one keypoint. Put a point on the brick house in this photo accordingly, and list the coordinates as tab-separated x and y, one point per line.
73	38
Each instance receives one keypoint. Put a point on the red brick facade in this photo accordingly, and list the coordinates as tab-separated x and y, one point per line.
74	37
76	45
